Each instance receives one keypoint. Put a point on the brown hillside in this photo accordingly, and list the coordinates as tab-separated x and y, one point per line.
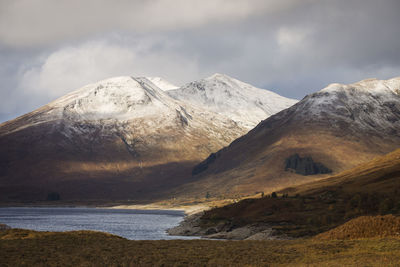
380	175
371	188
365	227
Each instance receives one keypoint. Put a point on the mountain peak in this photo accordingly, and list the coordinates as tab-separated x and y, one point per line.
117	98
369	105
218	76
225	79
242	102
371	85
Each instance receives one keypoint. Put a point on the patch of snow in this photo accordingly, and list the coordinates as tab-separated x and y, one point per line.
242	102
120	98
371	104
128	107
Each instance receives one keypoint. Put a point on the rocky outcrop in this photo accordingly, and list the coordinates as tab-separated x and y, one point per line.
305	166
191	226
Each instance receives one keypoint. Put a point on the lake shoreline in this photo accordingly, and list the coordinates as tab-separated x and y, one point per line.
188	210
134	224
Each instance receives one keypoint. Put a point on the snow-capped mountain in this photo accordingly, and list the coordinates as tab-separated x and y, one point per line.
242	102
122	134
115	101
121	138
369	105
338	127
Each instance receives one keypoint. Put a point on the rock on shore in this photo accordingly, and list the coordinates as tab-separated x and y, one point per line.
191	226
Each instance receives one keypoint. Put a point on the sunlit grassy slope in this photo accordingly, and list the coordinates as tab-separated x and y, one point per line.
84	248
365	227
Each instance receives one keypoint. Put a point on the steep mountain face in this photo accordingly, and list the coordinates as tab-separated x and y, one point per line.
339	127
242	102
121	138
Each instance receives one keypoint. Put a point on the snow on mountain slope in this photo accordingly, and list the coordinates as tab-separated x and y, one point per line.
136	111
118	99
370	104
242	102
121	98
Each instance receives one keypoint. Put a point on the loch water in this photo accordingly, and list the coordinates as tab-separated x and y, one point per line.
130	224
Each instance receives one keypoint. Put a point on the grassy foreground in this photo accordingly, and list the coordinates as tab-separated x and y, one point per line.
85	248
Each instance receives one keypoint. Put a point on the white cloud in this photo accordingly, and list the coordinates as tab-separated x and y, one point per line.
70	68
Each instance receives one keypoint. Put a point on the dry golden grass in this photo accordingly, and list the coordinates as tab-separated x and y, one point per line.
86	248
365	227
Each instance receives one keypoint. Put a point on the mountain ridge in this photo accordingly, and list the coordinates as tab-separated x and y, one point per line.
244	103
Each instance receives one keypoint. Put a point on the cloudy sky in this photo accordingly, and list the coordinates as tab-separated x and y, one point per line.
292	47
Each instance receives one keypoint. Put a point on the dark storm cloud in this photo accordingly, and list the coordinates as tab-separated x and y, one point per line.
293	47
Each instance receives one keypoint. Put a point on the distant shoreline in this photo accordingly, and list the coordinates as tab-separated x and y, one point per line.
188	209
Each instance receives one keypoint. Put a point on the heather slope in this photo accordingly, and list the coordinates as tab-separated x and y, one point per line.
85	248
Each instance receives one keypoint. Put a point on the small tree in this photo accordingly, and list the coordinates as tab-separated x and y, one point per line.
274	195
208	195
